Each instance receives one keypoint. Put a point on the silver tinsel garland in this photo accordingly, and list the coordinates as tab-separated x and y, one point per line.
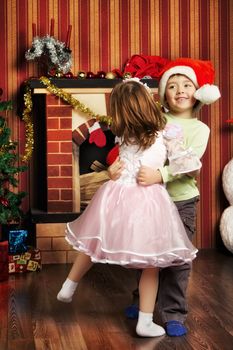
55	52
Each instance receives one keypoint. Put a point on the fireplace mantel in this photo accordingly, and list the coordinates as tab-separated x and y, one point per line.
73	83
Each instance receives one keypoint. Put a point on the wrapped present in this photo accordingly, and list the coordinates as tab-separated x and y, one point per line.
17	241
28	261
3	260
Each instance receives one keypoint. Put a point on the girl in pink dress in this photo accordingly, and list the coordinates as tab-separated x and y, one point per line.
127	224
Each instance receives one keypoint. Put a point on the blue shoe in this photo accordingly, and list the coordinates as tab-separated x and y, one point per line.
175	328
131	312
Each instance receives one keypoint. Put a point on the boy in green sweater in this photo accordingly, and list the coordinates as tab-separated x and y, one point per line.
184	86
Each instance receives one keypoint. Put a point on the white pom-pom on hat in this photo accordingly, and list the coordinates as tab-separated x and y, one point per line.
207	94
201	73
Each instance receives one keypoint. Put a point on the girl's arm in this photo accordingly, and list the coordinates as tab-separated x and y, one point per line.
148	176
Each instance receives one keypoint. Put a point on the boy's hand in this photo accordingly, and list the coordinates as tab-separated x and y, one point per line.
115	169
148	176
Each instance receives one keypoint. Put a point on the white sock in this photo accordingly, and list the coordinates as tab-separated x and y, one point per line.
146	327
67	291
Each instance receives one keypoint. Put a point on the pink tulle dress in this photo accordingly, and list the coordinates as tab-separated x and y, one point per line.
131	225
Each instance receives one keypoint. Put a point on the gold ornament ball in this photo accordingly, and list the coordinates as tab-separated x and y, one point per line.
127	75
58	74
110	75
81	75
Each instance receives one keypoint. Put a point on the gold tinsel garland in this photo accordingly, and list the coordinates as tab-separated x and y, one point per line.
76	104
27	118
27	112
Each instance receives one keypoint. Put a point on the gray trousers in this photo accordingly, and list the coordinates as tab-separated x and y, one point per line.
173	281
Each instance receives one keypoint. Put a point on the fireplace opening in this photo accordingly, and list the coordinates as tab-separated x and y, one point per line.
93	167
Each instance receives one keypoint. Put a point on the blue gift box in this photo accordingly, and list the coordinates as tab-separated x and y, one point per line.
17	241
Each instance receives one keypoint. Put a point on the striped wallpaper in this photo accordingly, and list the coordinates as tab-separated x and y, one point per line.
105	33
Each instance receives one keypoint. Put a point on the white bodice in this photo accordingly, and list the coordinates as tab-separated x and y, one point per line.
153	157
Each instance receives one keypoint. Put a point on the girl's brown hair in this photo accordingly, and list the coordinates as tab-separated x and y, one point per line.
135	115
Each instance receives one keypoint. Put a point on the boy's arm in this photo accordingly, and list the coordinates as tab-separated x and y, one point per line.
198	142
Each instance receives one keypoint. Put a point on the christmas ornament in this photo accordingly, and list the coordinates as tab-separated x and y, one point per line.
127	75
58	74
52	72
100	74
68	75
4	201
110	75
81	75
90	75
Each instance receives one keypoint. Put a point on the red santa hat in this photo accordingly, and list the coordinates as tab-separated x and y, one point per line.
200	72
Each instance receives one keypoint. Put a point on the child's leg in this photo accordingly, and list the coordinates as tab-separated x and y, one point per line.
172	301
148	287
81	265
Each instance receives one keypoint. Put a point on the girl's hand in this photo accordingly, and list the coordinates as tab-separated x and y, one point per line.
148	176
115	169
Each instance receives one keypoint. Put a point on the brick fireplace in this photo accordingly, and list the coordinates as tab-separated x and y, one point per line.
60	185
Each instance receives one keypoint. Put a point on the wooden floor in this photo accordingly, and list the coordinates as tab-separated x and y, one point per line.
32	319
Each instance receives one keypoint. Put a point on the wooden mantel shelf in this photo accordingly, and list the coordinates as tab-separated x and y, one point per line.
75	85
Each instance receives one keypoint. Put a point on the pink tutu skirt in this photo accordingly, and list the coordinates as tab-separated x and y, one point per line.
133	226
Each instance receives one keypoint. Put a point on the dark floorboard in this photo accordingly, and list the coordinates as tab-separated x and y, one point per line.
32	319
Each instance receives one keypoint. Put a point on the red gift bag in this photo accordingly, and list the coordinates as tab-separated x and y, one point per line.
3	260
